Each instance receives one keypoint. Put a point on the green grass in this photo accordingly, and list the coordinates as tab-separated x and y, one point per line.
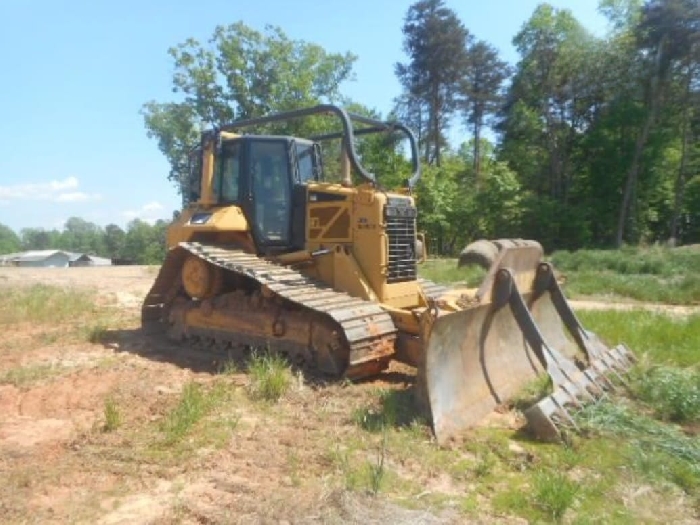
377	469
586	481
673	393
532	392
653	274
446	271
649	274
655	260
656	450
95	333
112	415
554	493
395	408
194	404
665	339
42	303
679	290
270	376
363	467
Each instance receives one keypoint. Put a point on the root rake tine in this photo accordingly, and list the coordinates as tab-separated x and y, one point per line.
562	411
589	373
602	370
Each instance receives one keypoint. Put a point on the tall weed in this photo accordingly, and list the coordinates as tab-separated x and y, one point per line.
554	493
112	415
665	339
271	376
630	260
673	393
194	404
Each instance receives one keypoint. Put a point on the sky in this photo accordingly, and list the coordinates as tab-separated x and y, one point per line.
77	72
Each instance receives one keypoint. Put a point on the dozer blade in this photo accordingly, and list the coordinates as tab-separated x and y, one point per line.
479	358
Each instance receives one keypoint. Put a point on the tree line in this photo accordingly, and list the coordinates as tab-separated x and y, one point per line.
140	243
596	139
586	141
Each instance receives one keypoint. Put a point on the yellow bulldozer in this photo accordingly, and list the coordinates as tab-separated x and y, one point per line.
269	253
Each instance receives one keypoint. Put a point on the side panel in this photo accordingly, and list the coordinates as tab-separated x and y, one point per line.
225	224
371	244
379	238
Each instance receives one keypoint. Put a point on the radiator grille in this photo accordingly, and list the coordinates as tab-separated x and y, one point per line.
401	231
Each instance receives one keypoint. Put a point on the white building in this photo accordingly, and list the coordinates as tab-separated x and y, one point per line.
52	259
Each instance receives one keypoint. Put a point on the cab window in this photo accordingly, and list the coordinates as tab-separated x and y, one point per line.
227	177
270	179
305	159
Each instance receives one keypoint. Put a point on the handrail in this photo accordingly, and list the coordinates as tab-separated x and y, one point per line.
376	126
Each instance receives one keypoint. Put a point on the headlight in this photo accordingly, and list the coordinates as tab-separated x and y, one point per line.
200	218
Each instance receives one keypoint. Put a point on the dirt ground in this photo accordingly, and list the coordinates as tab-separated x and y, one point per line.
59	465
265	464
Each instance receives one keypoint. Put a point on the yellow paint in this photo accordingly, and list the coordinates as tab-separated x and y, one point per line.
224	221
208	165
347	275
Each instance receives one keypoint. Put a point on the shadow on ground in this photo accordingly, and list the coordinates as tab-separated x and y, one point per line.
153	344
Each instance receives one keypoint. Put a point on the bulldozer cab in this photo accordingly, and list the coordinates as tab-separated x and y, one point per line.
263	175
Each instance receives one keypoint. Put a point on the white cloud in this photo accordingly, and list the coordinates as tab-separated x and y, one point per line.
54	190
152	206
149	212
68	184
77	196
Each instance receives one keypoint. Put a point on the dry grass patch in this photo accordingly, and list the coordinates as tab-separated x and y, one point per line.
42	303
27	375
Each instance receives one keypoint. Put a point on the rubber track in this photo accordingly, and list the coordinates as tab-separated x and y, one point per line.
364	323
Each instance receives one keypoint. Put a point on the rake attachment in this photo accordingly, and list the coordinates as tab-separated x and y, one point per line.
479	357
573	385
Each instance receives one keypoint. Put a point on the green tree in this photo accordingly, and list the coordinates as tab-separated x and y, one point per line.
547	100
145	244
82	236
240	73
435	42
39	239
554	102
667	33
9	240
453	211
481	93
114	241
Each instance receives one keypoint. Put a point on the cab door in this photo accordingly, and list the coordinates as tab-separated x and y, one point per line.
270	195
